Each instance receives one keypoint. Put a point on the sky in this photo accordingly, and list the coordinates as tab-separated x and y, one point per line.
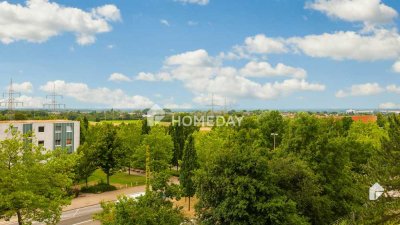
186	54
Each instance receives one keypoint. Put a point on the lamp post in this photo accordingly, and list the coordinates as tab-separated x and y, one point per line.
274	134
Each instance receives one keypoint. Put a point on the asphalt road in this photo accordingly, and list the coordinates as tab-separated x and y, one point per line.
82	216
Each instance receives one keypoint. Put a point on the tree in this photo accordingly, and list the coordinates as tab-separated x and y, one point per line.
272	122
107	149
179	134
160	144
130	136
145	127
150	209
189	165
33	181
237	188
86	164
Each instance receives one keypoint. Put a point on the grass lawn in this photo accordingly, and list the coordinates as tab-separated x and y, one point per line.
119	179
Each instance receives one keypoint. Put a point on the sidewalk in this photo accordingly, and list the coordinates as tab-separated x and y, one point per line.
85	200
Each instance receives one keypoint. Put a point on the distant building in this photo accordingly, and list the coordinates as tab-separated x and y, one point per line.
51	134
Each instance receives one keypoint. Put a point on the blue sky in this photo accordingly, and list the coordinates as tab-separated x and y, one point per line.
275	54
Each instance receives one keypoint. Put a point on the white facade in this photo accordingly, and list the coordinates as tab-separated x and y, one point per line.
49	133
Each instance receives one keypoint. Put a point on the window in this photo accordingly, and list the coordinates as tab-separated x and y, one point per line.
69	128
69	142
40	143
41	129
58	143
58	129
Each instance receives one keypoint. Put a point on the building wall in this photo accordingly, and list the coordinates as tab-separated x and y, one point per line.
48	136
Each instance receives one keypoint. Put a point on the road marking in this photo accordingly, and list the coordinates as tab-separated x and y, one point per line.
76	212
87	221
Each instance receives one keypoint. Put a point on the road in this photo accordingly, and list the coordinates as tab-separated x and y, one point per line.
82	216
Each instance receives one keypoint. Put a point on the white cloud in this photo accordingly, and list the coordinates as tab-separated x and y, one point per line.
389	105
396	67
109	12
203	74
360	90
119	77
198	2
165	22
177	106
105	96
31	102
162	76
25	87
39	20
379	45
393	88
367	11
264	69
258	44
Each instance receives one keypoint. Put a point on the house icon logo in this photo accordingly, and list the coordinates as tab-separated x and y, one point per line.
155	115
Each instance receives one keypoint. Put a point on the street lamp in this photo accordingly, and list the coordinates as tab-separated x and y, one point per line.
274	134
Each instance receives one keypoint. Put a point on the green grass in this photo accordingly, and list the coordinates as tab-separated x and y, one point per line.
120	178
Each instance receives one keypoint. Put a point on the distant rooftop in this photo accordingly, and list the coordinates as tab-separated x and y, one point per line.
33	121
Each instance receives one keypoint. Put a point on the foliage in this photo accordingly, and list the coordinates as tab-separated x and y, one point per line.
130	137
34	182
107	148
98	188
179	134
189	165
150	209
238	189
160	144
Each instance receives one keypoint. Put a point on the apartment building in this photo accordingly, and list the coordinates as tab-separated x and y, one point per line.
49	133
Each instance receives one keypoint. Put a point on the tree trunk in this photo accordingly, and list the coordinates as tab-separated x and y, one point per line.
86	181
189	203
19	217
108	178
129	169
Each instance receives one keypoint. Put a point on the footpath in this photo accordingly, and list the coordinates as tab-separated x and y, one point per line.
85	200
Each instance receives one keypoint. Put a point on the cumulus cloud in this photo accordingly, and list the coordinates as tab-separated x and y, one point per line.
367	11
25	87
165	22
162	76
389	105
258	44
203	74
198	2
119	77
379	45
264	69
396	67
105	96
360	90
393	88
39	20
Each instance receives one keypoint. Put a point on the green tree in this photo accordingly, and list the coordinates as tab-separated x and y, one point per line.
107	150
150	209
130	136
160	144
272	122
86	163
33	181
189	165
179	134
237	188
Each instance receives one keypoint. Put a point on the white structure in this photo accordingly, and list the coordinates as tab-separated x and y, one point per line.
375	191
51	134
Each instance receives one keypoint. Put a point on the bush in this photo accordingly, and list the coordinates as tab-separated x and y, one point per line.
98	188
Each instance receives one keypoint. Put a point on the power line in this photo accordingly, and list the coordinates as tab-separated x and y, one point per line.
10	99
54	105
